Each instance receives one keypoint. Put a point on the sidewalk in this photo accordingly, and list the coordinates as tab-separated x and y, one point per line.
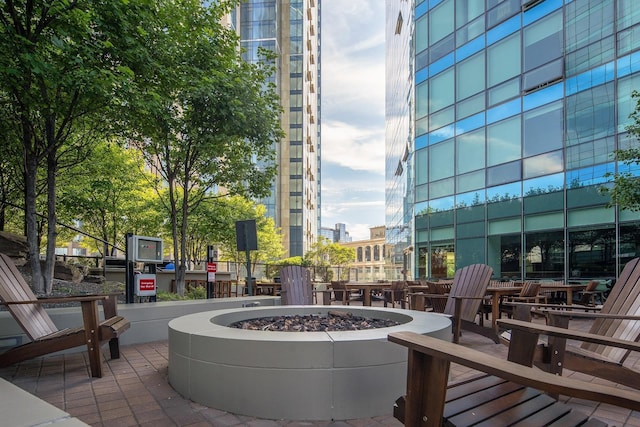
134	391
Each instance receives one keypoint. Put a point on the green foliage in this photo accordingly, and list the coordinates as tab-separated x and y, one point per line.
625	187
110	194
325	254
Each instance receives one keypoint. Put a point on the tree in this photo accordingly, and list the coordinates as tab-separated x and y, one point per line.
229	210
625	191
111	194
325	254
62	63
209	119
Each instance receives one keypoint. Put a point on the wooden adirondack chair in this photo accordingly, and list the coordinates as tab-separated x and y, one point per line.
619	319
296	286
463	301
510	394
45	337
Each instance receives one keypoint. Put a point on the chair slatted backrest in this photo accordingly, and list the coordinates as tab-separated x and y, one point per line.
623	299
472	282
530	289
32	318
296	286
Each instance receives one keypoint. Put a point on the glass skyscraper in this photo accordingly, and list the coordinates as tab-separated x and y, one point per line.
516	108
291	29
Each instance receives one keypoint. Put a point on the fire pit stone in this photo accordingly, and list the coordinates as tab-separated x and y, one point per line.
332	375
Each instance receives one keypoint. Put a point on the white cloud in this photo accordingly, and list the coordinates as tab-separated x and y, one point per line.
353	147
353	116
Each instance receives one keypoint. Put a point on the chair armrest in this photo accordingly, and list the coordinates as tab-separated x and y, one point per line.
531	377
554	331
54	300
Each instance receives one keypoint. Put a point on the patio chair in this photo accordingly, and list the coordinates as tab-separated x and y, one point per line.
530	293
396	294
296	287
45	336
463	300
591	295
619	319
508	393
343	294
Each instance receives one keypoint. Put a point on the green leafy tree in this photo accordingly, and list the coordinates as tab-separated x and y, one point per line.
62	63
231	209
325	254
111	194
209	120
625	191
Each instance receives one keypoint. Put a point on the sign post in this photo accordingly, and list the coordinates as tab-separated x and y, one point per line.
212	267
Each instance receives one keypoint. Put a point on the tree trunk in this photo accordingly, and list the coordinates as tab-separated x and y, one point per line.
31	223
52	232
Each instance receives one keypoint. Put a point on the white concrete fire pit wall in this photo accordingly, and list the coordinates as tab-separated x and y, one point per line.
294	375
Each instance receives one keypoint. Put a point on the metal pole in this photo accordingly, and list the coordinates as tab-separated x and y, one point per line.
248	253
129	277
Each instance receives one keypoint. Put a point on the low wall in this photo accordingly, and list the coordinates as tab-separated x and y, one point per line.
164	278
149	321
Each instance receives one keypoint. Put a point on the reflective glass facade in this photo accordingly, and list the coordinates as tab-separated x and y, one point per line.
399	175
291	29
517	108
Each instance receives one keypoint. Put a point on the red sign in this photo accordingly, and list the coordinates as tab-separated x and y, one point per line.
147	284
212	267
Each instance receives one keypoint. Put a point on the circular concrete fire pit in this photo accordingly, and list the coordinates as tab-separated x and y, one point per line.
293	375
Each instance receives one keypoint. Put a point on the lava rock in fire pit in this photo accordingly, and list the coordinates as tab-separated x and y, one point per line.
334	321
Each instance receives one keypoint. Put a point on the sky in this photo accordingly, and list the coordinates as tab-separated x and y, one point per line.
352	126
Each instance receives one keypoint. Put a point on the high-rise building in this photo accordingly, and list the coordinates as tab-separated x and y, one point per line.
291	29
399	135
516	109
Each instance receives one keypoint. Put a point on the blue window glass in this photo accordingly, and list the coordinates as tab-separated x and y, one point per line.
541	10
470	48
503	111
504	10
545	184
469	124
421	9
543	164
543	129
543	96
589	176
441	64
600	52
470	152
590	153
422	75
443	204
504	192
591	114
629	64
504	173
503	30
473	198
543	41
470	181
595	77
421	141
441	188
629	40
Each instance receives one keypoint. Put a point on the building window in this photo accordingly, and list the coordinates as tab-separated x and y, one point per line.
543	129
544	256
543	41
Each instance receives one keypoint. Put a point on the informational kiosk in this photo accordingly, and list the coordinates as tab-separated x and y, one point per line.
146	250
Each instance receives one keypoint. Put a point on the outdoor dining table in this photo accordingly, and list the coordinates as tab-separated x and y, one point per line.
267	288
367	288
561	287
